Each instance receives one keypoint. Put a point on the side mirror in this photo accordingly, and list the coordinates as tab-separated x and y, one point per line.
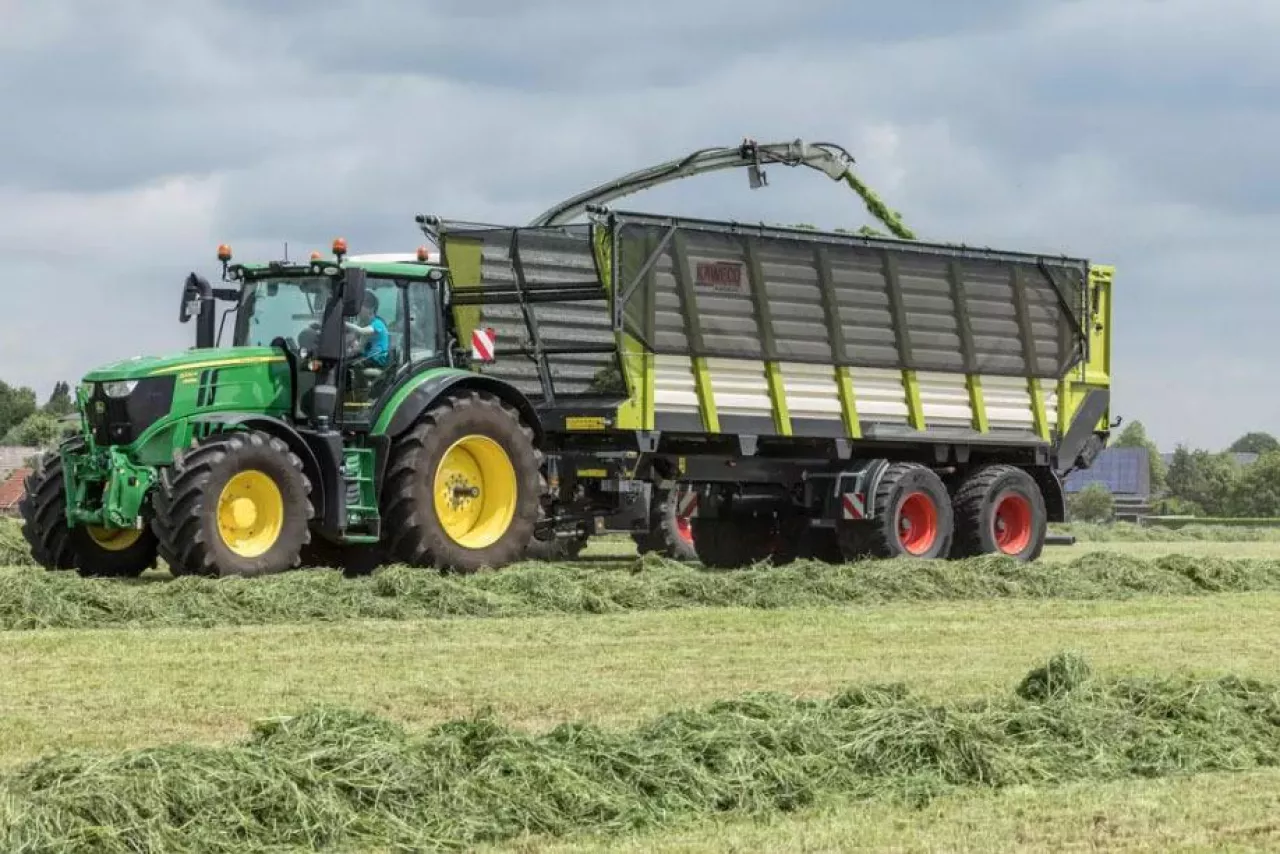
353	284
195	290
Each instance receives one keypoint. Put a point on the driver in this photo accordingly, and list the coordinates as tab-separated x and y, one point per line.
374	330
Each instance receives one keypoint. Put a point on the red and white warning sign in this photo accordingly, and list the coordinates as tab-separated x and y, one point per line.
853	505
482	344
687	504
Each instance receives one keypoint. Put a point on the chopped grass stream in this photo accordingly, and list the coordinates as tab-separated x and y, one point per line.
332	778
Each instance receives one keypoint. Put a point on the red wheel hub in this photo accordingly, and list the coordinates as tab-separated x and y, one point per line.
917	523
1012	523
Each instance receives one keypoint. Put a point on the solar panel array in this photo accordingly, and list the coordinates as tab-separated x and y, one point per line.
1123	471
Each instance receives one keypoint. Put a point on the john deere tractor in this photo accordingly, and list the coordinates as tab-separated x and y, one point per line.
300	437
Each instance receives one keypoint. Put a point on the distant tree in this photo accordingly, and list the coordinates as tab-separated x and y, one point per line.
59	402
1255	443
1257	491
15	405
1203	480
1093	503
1135	436
38	430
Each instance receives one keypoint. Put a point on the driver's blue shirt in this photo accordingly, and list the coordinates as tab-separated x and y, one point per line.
379	342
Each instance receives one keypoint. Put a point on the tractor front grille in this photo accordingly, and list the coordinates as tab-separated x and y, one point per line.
121	420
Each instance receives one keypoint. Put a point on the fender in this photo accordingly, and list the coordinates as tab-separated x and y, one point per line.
406	405
1055	495
286	433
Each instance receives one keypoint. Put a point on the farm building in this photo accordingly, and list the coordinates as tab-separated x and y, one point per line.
13	471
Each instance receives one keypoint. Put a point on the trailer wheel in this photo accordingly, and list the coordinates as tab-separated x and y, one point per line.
463	486
1000	510
672	531
914	517
235	504
735	542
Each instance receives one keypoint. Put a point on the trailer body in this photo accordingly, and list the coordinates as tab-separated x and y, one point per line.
782	371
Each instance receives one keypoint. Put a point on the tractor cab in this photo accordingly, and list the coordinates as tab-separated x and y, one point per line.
391	325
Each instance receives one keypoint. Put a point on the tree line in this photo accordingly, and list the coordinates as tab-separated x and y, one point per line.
1196	481
26	423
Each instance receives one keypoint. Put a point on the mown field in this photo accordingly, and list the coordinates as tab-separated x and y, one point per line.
620	704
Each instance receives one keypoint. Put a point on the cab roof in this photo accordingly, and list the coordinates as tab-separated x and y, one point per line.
390	266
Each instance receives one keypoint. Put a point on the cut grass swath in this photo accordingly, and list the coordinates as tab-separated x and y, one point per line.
35	599
334	777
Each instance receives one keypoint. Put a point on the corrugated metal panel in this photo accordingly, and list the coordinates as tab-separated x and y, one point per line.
897	304
880	395
811	391
945	399
740	387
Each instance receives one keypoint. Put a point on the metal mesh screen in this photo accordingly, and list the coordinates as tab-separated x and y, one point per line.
541	294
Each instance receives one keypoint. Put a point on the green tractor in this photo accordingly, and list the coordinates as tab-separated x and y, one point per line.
341	427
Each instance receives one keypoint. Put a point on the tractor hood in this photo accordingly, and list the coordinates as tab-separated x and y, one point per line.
189	360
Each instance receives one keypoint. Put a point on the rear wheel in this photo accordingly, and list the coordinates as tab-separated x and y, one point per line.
463	486
914	518
236	504
1000	510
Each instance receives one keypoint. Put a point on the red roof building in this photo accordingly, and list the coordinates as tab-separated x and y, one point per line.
11	490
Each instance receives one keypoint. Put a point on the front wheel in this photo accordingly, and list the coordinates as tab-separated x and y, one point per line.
237	503
463	486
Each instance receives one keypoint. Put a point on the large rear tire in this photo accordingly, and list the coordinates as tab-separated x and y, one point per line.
1000	510
91	551
236	504
913	518
463	486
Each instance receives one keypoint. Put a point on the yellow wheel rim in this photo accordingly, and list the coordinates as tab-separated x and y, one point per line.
475	492
113	539
250	513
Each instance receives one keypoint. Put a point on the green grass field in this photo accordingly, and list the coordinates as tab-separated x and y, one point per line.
119	686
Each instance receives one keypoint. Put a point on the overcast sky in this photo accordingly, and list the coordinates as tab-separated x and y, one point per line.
139	135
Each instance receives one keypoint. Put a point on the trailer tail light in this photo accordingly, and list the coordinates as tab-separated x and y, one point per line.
483	345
